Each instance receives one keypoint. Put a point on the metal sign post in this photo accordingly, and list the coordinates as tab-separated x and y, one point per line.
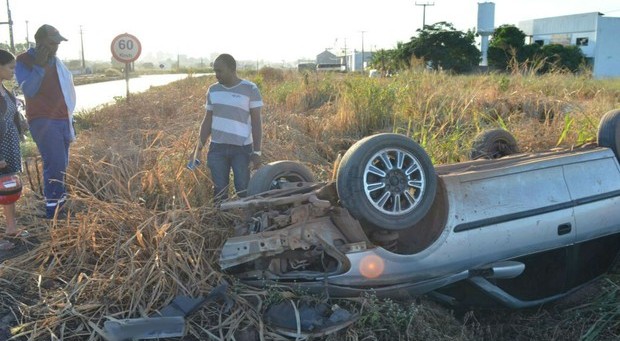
127	65
126	48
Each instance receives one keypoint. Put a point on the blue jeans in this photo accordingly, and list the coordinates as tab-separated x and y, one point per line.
53	138
221	158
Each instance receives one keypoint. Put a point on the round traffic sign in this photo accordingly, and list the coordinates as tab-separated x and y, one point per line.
126	48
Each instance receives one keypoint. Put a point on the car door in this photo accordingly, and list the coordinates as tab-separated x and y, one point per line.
515	211
522	212
594	187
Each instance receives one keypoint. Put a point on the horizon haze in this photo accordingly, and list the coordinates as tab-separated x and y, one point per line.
269	31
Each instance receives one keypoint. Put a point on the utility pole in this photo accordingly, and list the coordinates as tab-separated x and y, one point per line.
27	37
82	44
424	11
363	50
10	23
346	63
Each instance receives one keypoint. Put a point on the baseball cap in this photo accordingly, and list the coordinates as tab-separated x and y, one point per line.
49	31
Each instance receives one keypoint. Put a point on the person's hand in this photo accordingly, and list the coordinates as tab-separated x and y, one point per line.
194	160
193	163
42	55
256	161
3	164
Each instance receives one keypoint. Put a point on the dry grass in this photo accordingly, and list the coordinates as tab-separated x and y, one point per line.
144	231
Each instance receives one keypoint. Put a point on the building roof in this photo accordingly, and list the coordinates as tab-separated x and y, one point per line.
583	22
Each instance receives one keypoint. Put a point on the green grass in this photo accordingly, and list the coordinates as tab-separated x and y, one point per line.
28	147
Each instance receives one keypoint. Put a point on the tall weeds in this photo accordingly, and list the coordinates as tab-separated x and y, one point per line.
146	231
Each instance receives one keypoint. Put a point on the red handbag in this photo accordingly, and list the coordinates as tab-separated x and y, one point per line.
10	188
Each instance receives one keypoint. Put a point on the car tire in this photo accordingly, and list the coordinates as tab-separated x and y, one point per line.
493	144
373	184
609	131
271	175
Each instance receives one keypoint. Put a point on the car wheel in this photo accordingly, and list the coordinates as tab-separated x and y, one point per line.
493	144
272	175
609	131
386	181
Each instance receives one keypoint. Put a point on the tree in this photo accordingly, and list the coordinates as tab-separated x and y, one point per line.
19	47
444	48
439	45
507	43
508	46
508	36
561	57
388	61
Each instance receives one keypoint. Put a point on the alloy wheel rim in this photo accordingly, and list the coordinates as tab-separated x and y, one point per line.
394	181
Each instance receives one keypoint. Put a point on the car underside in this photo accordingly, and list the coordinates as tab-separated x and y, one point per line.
517	230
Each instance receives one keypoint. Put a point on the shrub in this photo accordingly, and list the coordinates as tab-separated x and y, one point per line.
113	73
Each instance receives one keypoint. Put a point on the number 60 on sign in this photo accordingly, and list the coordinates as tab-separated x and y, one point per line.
126	48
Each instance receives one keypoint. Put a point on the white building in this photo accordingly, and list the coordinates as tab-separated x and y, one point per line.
355	61
595	34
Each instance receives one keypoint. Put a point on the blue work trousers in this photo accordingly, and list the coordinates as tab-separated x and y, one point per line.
53	138
221	158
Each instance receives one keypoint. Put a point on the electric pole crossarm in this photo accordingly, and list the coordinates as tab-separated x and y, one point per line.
424	11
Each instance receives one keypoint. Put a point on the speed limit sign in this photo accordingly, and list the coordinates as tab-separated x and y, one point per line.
126	48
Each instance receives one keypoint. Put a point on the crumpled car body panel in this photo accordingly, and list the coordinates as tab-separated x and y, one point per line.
488	222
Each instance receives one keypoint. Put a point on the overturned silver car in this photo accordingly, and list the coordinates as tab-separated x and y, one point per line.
509	228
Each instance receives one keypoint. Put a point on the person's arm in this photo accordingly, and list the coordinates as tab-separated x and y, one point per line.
257	137
205	132
257	130
29	79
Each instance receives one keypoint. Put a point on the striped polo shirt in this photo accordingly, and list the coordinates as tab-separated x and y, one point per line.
231	112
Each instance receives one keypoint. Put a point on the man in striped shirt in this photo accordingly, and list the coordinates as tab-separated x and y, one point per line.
233	122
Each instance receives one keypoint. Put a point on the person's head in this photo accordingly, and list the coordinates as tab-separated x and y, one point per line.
7	65
48	35
225	68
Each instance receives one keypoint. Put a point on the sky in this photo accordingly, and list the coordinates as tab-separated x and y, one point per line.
274	31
